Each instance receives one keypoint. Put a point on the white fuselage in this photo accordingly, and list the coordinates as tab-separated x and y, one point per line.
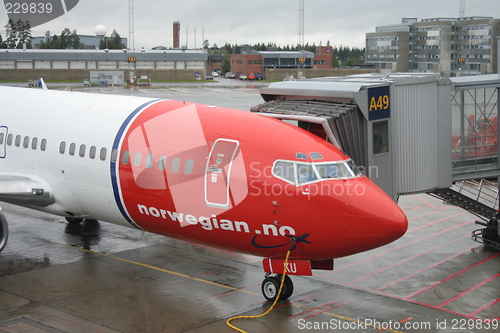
68	130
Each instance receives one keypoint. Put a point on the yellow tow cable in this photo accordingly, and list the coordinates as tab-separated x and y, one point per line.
272	306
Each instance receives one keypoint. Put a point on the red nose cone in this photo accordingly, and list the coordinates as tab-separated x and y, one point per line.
372	219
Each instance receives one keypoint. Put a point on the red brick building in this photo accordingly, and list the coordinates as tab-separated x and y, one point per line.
244	60
323	57
246	63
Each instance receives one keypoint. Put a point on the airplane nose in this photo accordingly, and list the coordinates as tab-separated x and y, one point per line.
372	218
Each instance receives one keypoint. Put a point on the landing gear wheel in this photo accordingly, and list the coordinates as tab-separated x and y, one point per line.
72	220
271	286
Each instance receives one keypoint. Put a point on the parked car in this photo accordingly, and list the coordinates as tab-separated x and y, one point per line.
215	74
209	77
251	76
258	76
243	77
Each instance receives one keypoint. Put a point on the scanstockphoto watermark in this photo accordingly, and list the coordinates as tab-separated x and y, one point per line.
260	187
291	179
461	324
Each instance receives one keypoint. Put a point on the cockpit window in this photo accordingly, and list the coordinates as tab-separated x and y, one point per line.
284	170
301	156
315	156
299	173
306	173
354	168
333	170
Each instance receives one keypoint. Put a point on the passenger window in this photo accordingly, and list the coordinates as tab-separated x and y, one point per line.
306	173
62	147
9	139
188	167
137	159
162	163
103	154
34	143
125	157
26	142
176	163
2	136
92	152
149	161
81	152
17	143
285	171
72	149
114	155
43	145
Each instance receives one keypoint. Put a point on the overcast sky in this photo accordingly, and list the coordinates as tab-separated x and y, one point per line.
252	21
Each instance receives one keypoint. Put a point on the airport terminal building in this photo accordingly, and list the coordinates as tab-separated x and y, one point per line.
77	64
450	46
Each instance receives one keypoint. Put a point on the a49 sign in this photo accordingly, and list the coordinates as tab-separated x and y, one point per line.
37	12
379	103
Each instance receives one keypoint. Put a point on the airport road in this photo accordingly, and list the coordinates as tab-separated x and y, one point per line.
99	277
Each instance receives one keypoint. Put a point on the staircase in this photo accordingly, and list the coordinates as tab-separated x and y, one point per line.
481	199
478	197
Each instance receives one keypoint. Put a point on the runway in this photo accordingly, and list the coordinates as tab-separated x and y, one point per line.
98	277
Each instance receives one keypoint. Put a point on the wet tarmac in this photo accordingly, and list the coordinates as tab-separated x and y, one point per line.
98	277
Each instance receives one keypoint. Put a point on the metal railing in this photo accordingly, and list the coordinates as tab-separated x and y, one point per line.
483	191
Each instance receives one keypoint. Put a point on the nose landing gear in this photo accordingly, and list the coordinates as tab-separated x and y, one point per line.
271	284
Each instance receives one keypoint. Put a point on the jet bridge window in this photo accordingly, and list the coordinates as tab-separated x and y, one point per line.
380	137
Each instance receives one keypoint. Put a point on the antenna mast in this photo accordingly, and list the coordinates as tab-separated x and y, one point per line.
131	43
462	9
301	24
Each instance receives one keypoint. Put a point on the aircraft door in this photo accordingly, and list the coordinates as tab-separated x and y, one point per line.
218	172
3	141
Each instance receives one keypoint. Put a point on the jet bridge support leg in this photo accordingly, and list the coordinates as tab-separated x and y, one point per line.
490	235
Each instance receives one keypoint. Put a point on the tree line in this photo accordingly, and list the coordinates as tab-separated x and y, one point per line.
18	35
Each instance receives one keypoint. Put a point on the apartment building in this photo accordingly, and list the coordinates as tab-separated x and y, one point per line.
451	46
